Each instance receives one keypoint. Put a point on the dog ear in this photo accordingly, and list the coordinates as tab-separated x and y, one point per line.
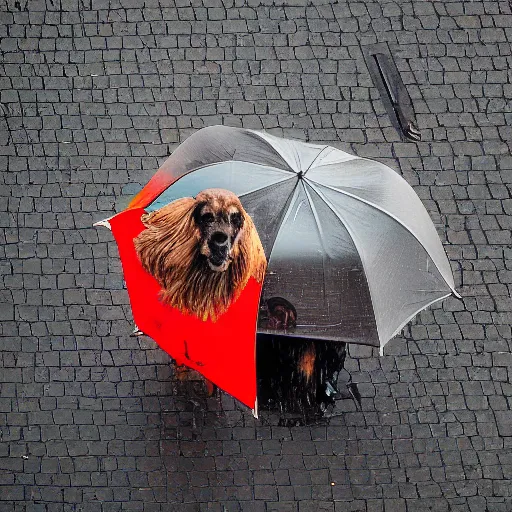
169	240
251	246
171	213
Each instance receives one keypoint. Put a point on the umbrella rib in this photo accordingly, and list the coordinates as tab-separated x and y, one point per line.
286	207
396	219
232	161
245	194
287	211
315	159
260	136
349	231
320	232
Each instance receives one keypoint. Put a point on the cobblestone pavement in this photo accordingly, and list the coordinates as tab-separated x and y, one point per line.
94	95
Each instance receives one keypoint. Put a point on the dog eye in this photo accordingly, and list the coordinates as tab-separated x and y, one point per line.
236	219
207	217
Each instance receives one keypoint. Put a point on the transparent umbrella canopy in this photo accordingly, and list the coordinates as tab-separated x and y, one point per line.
348	242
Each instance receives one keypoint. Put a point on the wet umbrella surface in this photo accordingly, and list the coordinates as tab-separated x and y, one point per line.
348	242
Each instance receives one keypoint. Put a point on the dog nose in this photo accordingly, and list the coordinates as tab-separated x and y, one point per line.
220	239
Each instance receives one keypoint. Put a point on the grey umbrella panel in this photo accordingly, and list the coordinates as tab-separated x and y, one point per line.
377	185
315	266
239	177
268	207
402	276
216	144
348	242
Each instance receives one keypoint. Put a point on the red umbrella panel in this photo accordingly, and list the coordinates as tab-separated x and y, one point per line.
194	272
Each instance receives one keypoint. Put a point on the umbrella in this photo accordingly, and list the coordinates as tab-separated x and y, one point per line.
349	245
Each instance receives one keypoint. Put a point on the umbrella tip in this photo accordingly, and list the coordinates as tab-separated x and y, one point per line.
457	294
255	410
136	332
105	223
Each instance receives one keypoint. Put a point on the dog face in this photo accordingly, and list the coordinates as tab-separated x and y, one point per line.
202	251
220	221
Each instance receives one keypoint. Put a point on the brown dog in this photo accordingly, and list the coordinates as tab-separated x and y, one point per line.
202	252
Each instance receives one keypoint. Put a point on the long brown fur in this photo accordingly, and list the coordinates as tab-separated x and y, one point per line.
169	250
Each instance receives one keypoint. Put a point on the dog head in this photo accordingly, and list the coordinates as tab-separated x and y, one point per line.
219	217
202	251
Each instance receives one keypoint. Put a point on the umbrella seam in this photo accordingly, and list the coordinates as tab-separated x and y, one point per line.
315	159
245	194
349	231
373	205
283	218
257	133
320	232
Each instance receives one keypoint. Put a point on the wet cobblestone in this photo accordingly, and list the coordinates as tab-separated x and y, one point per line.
94	94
